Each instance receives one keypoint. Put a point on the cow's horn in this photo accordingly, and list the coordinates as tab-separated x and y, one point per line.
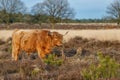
66	33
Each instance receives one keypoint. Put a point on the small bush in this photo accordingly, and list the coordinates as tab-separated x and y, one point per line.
106	68
53	60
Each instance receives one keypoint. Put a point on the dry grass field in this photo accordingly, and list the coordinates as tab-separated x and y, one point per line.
81	48
102	35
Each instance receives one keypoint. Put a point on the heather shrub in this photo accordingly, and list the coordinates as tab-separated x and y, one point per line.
52	59
106	68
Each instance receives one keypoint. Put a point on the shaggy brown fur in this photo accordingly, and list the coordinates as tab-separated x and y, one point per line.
41	41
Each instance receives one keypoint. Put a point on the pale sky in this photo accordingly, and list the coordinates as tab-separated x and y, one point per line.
84	9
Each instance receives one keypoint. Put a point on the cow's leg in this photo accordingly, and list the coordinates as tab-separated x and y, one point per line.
28	55
41	54
41	57
15	53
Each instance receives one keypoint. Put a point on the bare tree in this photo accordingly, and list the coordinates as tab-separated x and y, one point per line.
10	7
114	10
38	9
55	9
58	8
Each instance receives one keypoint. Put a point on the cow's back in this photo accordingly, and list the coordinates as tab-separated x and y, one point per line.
24	39
28	41
16	37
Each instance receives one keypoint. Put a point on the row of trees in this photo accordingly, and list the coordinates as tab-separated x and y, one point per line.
48	11
51	11
11	10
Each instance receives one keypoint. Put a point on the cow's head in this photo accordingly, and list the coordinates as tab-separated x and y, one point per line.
57	39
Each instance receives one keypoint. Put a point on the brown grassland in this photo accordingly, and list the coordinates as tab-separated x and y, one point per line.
81	47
